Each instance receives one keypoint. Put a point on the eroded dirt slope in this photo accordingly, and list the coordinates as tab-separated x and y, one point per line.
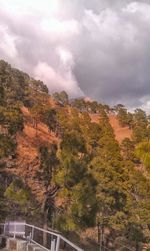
120	132
27	162
28	142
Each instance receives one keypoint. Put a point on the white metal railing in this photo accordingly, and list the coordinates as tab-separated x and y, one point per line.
35	234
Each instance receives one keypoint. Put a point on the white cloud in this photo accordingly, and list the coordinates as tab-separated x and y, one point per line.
57	81
146	106
57	27
145	103
44	7
138	8
7	42
100	47
66	58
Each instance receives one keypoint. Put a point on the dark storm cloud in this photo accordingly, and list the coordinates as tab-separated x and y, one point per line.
99	48
117	68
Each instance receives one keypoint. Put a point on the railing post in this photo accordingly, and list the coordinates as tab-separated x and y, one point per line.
32	234
58	243
53	245
14	230
56	238
5	229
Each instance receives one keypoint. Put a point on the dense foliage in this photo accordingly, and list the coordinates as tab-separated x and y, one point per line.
89	179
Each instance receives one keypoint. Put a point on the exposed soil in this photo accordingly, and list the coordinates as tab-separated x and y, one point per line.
28	142
120	132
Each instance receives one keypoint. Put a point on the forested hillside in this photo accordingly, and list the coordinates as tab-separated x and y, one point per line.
61	161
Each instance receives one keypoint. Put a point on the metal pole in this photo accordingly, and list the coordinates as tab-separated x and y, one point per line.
32	234
58	243
53	245
14	230
5	229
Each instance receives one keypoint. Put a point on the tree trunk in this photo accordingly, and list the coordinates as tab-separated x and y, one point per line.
45	227
137	246
102	236
45	216
98	232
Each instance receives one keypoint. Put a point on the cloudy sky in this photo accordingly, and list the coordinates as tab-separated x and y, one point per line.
96	48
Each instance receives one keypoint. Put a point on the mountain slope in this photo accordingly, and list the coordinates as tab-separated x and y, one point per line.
120	132
28	142
61	161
